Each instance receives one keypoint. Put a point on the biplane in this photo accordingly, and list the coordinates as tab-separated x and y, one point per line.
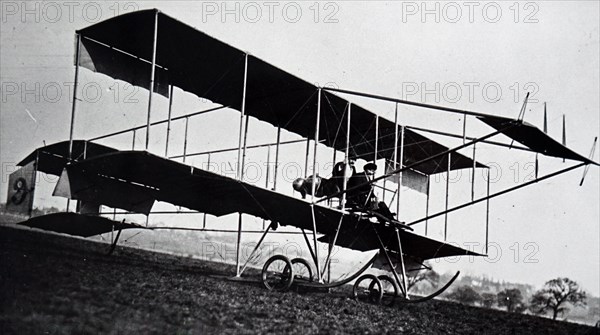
140	49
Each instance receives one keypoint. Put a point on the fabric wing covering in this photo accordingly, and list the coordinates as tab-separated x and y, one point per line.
410	179
533	138
92	188
161	179
121	48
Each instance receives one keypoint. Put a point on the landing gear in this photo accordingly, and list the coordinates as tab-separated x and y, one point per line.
378	290
302	270
278	273
368	288
390	290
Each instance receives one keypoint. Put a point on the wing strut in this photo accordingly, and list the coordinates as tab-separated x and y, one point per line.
401	283
312	253
255	248
331	245
114	244
314	219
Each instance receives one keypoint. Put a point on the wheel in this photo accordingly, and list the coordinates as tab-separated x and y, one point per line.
278	273
302	270
390	290
369	288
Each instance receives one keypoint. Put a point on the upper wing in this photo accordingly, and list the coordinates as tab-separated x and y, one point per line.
121	47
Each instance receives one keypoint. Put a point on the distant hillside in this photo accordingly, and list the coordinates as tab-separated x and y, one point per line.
589	314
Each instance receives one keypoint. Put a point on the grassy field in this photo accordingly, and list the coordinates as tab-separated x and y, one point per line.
52	284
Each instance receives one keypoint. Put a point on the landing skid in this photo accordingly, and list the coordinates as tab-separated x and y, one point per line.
433	295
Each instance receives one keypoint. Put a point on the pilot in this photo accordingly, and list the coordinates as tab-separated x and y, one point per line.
361	195
361	191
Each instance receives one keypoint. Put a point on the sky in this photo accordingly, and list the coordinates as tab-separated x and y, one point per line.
479	56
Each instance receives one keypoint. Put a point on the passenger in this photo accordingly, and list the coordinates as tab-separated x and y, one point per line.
323	186
340	170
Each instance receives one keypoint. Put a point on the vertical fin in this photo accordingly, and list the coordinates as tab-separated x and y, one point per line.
537	166
564	133
545	120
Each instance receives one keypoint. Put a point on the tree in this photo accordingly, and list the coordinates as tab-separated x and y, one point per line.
426	275
510	298
465	295
521	308
39	211
488	299
556	295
